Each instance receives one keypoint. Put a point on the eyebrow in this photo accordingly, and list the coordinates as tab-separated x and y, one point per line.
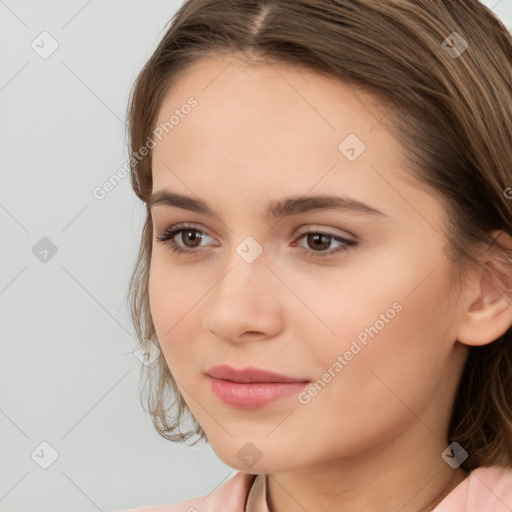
274	210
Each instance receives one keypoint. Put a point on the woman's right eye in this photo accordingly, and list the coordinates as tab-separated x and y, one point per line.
190	233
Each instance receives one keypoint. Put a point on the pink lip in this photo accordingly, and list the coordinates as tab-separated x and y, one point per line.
251	387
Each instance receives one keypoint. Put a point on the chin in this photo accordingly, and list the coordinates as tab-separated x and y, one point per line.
272	464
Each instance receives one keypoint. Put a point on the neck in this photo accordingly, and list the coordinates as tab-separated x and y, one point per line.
411	477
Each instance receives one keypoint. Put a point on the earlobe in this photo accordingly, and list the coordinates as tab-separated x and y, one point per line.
488	317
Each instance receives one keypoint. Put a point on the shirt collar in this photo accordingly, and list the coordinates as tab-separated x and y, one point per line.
257	497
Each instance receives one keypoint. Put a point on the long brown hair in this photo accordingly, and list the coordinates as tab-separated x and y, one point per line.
444	67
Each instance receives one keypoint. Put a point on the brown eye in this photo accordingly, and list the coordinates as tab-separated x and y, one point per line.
192	236
317	242
190	239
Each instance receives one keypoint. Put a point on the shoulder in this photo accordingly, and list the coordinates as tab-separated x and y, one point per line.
228	497
484	489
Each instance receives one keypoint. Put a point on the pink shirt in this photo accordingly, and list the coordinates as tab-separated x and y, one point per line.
486	489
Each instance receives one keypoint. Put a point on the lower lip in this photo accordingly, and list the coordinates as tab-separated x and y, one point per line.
253	395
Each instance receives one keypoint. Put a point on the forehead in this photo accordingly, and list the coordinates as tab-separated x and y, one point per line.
266	111
274	129
272	92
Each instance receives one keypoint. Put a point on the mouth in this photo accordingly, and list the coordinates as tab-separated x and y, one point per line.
252	388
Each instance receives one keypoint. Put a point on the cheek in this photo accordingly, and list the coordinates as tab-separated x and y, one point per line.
388	354
178	297
395	303
388	321
173	302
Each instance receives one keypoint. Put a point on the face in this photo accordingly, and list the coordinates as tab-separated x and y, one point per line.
349	298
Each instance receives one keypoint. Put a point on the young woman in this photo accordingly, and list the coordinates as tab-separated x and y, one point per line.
326	262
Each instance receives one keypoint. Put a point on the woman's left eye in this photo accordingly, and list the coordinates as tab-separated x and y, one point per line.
318	239
321	239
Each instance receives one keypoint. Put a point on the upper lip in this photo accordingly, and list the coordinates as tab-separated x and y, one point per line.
249	374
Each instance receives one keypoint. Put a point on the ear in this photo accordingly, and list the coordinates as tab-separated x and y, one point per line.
488	313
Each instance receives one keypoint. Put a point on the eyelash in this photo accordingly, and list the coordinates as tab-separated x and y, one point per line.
170	233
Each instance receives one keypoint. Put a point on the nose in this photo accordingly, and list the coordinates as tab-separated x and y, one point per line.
245	304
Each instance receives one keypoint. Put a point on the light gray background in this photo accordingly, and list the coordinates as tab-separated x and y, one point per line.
68	375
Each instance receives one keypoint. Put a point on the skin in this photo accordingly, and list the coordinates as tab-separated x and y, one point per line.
372	438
